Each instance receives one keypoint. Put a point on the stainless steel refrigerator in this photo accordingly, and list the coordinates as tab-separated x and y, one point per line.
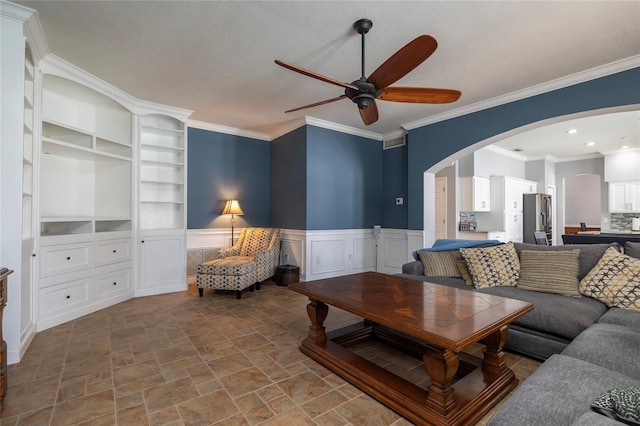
536	216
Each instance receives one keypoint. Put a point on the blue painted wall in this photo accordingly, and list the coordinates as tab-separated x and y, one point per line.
394	166
288	181
430	144
344	180
222	167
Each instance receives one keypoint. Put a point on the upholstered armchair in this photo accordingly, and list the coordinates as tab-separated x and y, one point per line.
252	259
262	244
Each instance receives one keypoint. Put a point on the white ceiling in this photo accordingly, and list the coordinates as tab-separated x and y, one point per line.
216	57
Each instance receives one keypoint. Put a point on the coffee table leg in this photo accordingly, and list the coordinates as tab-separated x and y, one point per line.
494	362
317	312
441	365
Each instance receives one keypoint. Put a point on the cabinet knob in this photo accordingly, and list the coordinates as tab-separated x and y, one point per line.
68	257
34	255
114	251
143	241
115	283
68	297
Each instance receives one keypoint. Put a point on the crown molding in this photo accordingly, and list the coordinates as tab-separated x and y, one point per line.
32	28
228	130
505	152
287	127
394	135
54	65
570	80
342	128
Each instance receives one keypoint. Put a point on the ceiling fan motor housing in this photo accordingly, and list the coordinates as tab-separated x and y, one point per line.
364	96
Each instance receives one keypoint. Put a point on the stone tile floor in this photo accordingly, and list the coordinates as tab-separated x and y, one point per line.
178	359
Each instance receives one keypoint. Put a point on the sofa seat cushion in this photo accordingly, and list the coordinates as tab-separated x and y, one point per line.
613	347
619	316
594	419
534	344
553	314
559	392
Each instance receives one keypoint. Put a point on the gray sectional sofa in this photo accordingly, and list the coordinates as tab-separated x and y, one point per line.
588	348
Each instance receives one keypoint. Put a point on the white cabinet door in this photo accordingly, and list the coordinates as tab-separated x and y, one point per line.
624	196
634	196
529	187
162	265
476	194
481	194
513	226
512	194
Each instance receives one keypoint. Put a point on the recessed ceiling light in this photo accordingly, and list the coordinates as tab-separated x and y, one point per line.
591	143
624	147
572	131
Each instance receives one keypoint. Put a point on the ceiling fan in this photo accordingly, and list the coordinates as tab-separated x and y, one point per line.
365	90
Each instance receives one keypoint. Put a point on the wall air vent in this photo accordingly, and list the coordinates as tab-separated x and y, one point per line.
394	143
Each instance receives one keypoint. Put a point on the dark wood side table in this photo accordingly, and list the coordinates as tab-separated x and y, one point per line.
4	273
287	274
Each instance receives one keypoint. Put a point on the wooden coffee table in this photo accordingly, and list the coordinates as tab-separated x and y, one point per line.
430	321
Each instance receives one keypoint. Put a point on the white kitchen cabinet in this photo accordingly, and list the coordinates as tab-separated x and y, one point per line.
624	197
476	194
513	227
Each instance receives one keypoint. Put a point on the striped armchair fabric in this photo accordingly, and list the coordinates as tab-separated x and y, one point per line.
261	244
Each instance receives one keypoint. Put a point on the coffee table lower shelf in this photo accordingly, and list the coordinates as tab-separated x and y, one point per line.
474	394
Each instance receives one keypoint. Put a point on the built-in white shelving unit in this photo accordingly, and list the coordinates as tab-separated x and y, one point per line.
85	202
162	172
27	147
86	163
162	212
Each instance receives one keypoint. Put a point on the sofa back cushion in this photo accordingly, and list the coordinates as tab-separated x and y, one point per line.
589	256
632	249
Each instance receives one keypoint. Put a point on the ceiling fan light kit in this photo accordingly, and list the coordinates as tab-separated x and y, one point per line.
364	91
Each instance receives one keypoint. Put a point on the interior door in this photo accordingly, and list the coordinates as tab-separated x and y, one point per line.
441	207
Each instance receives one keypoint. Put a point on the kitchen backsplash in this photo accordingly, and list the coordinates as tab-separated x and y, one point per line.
622	221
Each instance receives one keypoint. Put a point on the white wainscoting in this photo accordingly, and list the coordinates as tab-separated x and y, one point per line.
330	253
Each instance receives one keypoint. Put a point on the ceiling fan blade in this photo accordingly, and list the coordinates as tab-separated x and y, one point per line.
419	95
369	115
403	61
315	75
318	103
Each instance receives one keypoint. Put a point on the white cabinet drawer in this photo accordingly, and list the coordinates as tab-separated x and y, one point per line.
61	299
113	251
112	283
64	258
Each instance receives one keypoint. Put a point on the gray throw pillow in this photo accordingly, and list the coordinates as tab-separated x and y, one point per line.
621	404
550	272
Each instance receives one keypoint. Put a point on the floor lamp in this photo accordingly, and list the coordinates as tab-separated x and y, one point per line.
233	208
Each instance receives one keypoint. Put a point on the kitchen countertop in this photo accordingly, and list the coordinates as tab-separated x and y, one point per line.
619	237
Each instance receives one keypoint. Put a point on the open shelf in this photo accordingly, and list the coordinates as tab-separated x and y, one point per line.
64	227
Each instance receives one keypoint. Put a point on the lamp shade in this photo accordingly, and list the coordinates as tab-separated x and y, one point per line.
232	207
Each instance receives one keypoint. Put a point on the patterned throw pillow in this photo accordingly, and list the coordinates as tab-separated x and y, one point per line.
440	263
550	271
464	272
492	266
615	281
622	404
